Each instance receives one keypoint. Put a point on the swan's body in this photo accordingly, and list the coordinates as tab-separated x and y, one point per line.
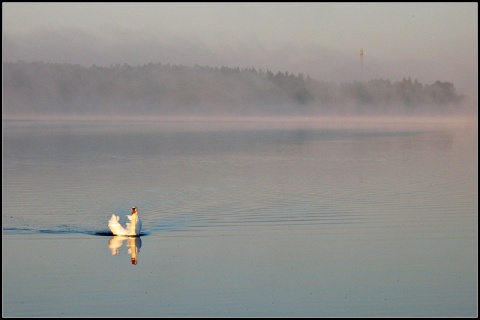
134	227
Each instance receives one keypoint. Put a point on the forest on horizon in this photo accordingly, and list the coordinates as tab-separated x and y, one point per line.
164	89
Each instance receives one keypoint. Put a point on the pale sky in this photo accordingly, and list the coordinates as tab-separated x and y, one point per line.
424	41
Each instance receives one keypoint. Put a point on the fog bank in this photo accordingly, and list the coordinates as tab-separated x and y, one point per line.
158	89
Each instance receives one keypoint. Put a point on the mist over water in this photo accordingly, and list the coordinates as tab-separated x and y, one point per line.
268	216
154	90
278	170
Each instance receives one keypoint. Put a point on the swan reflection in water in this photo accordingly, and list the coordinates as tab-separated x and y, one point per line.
134	244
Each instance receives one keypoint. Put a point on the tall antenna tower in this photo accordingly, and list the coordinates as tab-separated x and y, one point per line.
361	54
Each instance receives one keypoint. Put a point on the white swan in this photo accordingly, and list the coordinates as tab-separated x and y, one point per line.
134	227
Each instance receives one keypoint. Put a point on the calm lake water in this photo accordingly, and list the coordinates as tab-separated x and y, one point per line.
249	219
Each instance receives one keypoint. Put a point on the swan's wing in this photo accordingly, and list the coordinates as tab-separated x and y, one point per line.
118	230
115	226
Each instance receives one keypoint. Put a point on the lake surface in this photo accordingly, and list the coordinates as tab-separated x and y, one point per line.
241	218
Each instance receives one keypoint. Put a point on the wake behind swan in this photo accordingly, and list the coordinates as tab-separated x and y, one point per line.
134	227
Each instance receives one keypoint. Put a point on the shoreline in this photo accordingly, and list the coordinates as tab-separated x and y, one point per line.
372	119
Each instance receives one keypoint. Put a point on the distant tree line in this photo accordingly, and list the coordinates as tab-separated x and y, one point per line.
154	88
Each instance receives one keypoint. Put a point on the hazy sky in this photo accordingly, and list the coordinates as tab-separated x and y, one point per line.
424	41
